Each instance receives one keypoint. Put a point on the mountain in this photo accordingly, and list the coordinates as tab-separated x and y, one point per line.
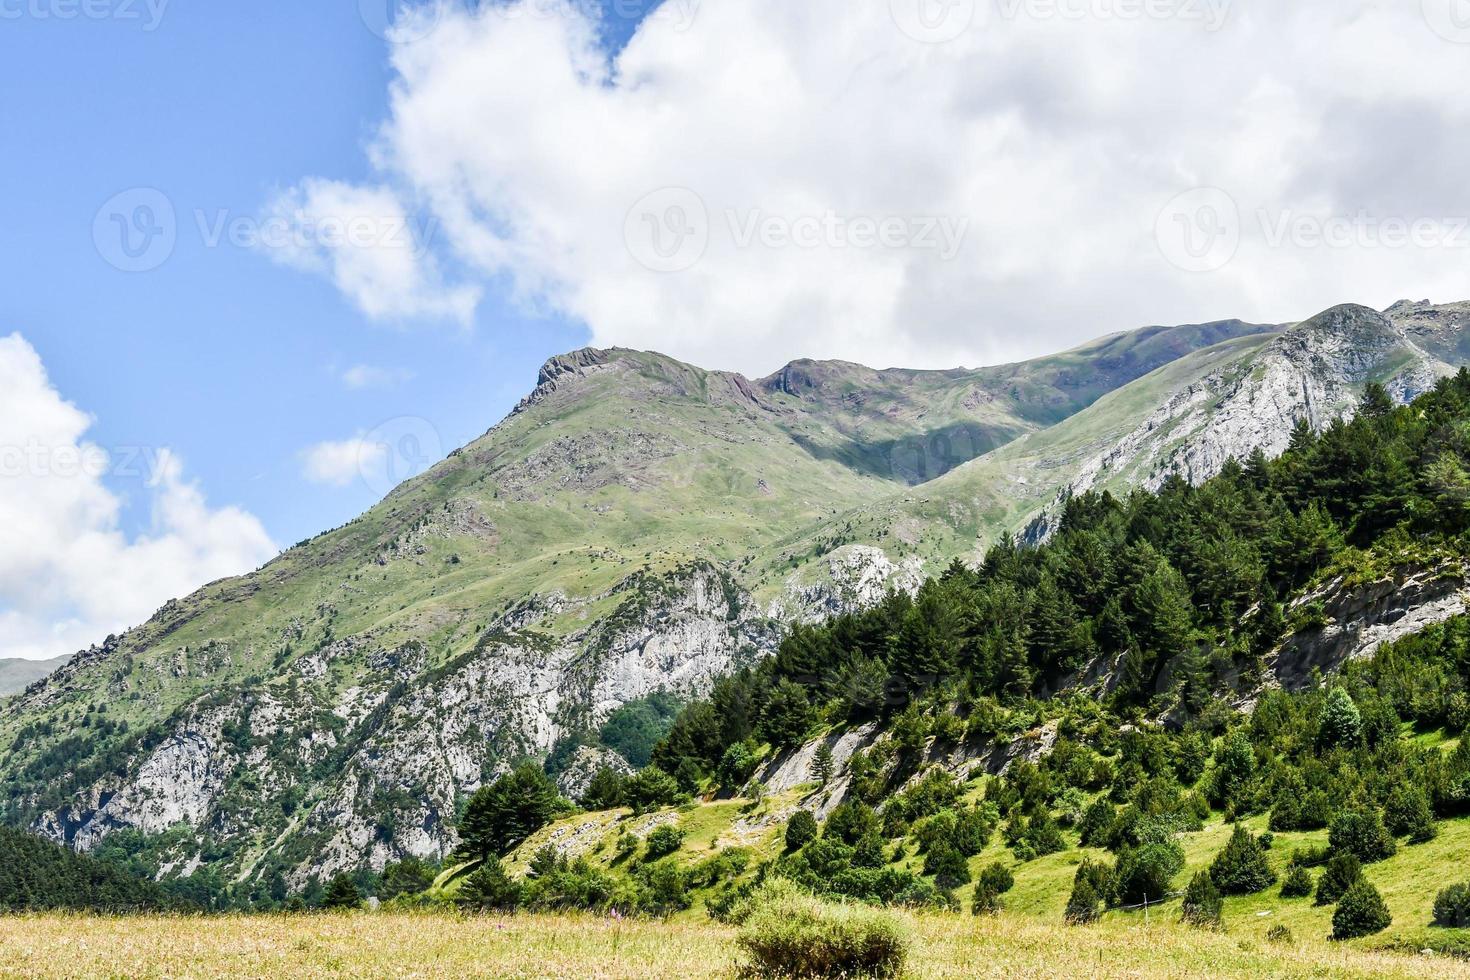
17	675
635	525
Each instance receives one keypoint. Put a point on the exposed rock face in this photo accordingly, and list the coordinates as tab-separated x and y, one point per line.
858	576
1361	618
586	763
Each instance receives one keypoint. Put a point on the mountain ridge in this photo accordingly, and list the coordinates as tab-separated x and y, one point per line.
636	524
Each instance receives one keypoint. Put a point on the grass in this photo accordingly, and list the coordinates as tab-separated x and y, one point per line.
407	945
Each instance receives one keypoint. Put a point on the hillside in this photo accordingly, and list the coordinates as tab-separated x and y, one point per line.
636	525
17	675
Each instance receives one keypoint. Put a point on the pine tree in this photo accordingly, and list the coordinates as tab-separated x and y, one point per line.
1341	725
342	893
822	764
1084	907
1203	906
1241	868
1360	912
1342	872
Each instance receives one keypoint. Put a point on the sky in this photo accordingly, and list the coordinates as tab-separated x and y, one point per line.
261	261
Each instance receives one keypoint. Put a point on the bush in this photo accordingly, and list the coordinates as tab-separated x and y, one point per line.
1407	813
1096	825
995	880
1343	872
1084	907
1203	905
1241	868
1452	907
650	789
663	841
490	889
948	866
1361	912
1361	833
1278	934
342	893
801	830
1147	873
1297	883
791	933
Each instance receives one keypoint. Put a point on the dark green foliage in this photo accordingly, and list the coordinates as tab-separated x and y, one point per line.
850	822
1452	907
490	889
1407	813
822	764
1241	868
650	789
1090	888
342	893
1203	905
1342	725
1360	912
788	716
1096	826
947	866
663	841
407	877
606	791
1297	883
1361	833
995	880
1147	873
502	815
737	765
801	830
36	875
634	729
1343	871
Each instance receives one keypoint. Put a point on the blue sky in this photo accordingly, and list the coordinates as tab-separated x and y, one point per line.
231	360
736	183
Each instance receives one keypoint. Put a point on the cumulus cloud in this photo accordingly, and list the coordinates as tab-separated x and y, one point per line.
69	574
747	182
368	244
338	464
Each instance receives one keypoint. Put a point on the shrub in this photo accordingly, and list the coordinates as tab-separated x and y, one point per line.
1343	871
663	841
342	893
605	792
1084	907
1407	813
791	933
801	830
1361	833
1342	724
1241	868
1096	825
1147	873
995	880
1452	907
1278	934
948	866
1361	912
1203	905
490	889
651	789
1297	883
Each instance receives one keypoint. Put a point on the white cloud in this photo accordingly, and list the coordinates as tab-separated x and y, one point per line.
68	574
1059	140
373	250
338	464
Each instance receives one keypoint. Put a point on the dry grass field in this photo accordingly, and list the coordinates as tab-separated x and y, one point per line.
435	945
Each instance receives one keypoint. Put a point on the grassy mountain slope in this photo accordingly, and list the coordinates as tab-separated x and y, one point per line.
17	675
602	542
